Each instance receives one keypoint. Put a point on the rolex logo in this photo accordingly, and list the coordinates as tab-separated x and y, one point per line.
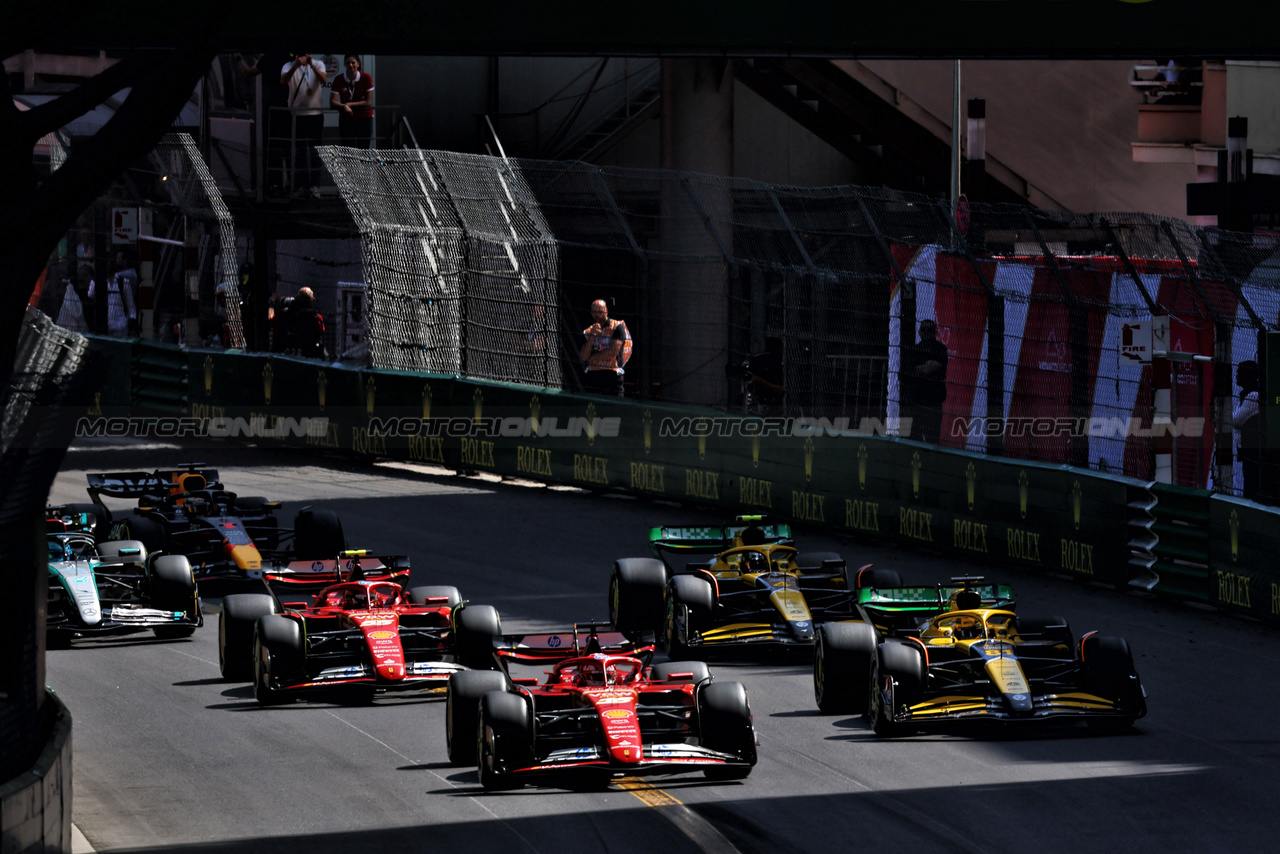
426	402
808	459
702	437
535	411
862	467
370	394
478	400
1235	535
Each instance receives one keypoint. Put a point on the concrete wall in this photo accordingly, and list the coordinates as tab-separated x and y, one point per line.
35	807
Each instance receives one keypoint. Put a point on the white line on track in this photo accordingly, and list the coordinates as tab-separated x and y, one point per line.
432	772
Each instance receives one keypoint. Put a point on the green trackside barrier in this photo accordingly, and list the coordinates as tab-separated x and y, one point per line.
997	510
1182	553
1243	574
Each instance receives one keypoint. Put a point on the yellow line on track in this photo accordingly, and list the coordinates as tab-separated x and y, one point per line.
702	832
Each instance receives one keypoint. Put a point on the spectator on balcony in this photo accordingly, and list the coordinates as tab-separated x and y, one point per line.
924	383
122	313
352	96
306	78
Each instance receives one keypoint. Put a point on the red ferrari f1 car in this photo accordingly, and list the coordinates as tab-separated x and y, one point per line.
601	710
362	630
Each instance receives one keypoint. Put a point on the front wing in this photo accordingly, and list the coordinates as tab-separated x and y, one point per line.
662	758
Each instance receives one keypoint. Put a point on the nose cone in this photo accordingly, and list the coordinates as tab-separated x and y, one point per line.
802	630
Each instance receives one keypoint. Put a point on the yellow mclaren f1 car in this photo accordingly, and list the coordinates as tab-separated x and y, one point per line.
975	663
757	590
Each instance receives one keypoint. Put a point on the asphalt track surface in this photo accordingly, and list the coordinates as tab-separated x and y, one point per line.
170	757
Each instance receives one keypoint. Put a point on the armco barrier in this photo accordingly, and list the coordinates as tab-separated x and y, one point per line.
1001	510
1242	557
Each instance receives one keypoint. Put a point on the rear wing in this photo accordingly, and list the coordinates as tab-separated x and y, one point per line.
137	484
303	576
902	608
711	539
60	520
582	639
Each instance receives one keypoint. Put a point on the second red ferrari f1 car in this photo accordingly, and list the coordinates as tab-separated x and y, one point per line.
601	710
362	631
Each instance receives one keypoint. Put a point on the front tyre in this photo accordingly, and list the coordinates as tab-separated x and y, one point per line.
842	667
277	655
240	613
505	738
462	712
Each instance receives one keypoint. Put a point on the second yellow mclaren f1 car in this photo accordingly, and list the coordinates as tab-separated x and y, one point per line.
756	590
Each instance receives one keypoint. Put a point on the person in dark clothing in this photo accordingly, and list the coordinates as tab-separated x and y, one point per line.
924	383
300	329
1247	421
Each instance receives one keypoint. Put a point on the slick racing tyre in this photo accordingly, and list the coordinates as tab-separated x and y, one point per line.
842	667
419	596
1109	673
1055	630
897	680
318	535
505	737
277	655
475	628
142	528
635	595
240	612
173	588
812	562
690	602
724	719
698	670
868	578
462	712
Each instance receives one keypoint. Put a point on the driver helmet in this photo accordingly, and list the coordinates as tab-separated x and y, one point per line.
757	562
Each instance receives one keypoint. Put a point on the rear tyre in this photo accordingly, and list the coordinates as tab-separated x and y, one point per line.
690	601
635	595
462	712
419	596
240	612
808	562
318	535
505	738
1053	629
146	530
475	629
842	667
724	718
867	578
277	654
662	672
898	672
